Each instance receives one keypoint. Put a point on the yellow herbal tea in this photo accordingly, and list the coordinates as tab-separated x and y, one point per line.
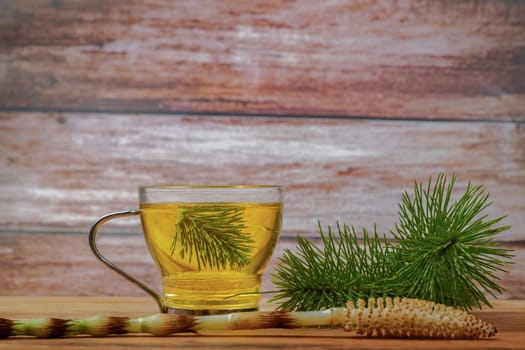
210	253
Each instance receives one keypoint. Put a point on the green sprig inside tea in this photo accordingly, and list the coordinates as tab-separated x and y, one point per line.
213	235
442	250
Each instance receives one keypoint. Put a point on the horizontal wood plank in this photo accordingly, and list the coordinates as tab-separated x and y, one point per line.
62	264
506	314
507	317
388	59
60	171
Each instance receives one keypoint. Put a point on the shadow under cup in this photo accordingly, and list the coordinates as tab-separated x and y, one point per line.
211	244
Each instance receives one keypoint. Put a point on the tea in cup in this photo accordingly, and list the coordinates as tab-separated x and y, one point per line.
211	244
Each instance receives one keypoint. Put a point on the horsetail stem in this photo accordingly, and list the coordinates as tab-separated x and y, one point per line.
39	327
397	318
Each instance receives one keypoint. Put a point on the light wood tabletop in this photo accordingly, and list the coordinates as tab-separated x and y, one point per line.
508	316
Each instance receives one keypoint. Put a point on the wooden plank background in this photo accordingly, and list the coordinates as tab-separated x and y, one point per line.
344	103
72	168
403	59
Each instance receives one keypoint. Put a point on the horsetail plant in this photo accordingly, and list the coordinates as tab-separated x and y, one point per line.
446	247
391	318
442	251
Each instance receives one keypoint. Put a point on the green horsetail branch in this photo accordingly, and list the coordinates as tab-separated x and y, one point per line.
212	235
392	318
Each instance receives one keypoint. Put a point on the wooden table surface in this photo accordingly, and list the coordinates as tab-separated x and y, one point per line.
507	315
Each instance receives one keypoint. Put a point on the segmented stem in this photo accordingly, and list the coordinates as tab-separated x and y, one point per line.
396	318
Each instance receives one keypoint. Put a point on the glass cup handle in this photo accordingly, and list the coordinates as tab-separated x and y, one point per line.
92	244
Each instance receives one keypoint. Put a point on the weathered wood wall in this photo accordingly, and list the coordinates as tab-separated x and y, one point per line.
344	103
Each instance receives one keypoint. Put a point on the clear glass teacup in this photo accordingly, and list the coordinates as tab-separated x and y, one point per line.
211	244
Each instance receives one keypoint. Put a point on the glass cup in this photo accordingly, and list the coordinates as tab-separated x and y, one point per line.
211	244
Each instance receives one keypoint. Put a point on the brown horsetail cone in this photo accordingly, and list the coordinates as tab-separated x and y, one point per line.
414	318
396	318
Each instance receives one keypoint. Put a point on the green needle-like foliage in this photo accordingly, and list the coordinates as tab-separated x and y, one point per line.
314	277
442	251
446	247
214	236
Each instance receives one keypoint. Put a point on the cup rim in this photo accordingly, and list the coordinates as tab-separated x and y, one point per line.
183	187
209	193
